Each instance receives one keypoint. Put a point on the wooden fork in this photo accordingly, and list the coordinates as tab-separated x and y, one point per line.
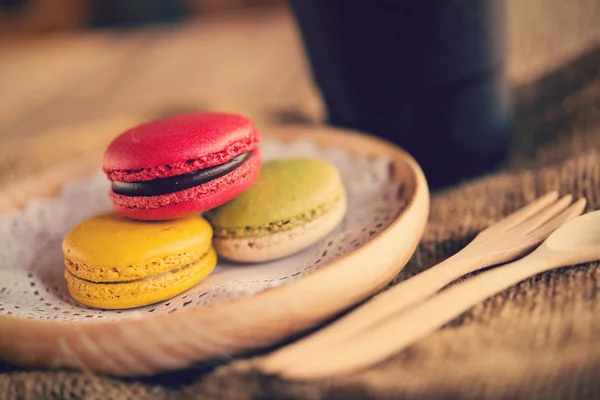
504	241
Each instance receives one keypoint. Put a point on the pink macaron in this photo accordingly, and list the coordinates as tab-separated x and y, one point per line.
182	165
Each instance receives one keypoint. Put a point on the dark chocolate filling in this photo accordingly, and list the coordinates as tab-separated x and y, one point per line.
172	184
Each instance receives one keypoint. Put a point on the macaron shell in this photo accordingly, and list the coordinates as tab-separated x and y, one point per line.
284	189
194	136
281	244
190	201
110	240
141	292
131	272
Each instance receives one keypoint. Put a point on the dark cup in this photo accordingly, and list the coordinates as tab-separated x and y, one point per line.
428	75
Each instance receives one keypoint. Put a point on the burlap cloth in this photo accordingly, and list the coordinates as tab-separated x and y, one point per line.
537	340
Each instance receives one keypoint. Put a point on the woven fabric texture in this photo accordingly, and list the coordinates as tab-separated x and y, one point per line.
537	340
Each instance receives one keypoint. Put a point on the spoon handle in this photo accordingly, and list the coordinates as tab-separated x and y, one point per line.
395	334
380	307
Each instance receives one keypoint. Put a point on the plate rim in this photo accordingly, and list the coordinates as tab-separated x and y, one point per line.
83	345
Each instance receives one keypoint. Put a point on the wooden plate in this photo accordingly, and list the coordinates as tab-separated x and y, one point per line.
160	343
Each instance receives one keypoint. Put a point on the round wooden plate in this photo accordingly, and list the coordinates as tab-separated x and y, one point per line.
160	343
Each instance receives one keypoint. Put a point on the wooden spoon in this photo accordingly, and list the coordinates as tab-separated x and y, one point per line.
576	242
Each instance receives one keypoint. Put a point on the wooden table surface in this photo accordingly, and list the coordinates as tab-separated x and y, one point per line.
65	95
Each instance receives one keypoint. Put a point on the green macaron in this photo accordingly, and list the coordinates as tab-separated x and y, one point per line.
293	204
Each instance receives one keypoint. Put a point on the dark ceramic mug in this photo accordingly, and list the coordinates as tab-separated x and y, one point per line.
428	75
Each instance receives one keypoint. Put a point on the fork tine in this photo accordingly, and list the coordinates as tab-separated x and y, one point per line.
547	213
567	215
525	212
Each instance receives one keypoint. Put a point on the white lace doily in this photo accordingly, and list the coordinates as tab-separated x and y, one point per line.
31	260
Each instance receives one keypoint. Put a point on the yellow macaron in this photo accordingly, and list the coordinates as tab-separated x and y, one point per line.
115	263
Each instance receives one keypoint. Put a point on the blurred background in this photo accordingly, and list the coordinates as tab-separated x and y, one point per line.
40	16
73	61
74	73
